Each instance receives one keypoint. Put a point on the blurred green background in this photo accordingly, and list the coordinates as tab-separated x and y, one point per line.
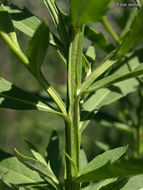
38	126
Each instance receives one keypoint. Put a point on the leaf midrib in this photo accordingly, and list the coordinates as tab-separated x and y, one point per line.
19	174
26	102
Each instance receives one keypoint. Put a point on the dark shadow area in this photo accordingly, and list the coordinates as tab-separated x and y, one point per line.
117	185
53	153
16	98
4	155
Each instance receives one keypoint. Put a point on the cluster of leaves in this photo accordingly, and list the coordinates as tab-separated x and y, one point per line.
101	86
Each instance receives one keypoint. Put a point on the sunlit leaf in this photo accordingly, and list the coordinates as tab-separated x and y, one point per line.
37	166
101	160
6	27
27	23
12	171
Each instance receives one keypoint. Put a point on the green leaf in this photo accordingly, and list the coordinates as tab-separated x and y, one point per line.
97	72
132	183
115	78
102	159
106	96
35	152
90	54
13	172
83	160
58	18
124	168
13	97
37	166
83	11
37	48
97	38
24	21
53	154
133	36
6	27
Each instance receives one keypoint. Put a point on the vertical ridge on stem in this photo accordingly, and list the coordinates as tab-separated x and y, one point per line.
74	82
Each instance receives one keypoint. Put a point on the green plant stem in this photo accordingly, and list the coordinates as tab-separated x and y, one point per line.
73	139
45	84
110	29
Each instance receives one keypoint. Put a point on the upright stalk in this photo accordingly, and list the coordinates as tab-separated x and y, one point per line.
73	139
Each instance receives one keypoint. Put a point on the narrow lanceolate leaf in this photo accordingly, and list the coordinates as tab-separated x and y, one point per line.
24	21
13	97
106	96
57	17
14	172
104	66
101	160
115	78
133	36
125	168
6	27
37	48
36	165
24	59
83	11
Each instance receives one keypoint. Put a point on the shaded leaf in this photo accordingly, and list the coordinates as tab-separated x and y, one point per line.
15	98
124	168
53	154
4	186
83	11
4	155
133	36
37	48
12	97
97	38
132	183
